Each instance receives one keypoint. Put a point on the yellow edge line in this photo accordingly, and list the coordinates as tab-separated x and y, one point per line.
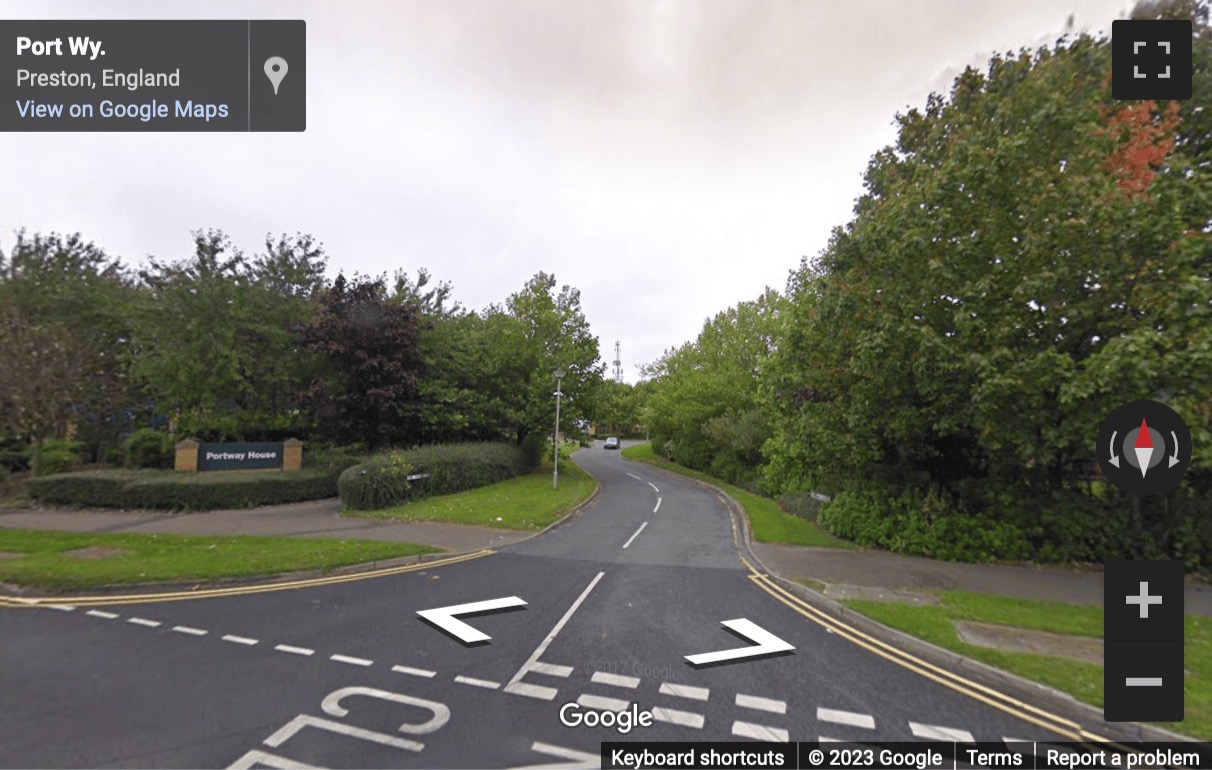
99	601
986	695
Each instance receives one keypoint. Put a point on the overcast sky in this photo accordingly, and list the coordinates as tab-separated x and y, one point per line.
669	159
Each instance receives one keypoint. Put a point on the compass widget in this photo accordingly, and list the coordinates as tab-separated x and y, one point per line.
1144	448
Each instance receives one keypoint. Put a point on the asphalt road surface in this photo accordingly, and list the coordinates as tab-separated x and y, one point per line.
344	674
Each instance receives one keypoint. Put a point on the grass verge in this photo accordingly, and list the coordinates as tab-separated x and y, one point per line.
138	558
1083	681
770	524
526	502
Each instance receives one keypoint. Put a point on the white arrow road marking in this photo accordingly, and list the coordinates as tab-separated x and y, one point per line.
583	759
444	617
765	643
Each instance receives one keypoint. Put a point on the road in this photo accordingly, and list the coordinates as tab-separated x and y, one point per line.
344	674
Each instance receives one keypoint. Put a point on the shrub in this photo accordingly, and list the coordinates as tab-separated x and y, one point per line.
58	456
333	458
922	525
149	448
801	504
456	467
167	490
99	489
228	489
379	483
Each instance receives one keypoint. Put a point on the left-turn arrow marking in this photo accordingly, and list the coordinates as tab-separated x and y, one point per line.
444	617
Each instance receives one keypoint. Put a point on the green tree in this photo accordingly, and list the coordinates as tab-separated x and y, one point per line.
73	288
216	350
537	331
703	408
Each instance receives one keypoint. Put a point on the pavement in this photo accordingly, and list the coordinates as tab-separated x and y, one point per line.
342	672
318	519
845	573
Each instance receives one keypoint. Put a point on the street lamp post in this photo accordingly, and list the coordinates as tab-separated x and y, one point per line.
555	439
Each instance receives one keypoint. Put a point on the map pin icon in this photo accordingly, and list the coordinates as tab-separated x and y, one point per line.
275	70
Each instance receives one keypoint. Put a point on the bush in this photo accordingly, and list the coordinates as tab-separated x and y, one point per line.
332	458
379	483
58	456
456	467
149	448
168	490
89	489
801	504
922	525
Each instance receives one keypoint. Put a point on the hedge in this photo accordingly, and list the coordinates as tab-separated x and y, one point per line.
381	482
169	490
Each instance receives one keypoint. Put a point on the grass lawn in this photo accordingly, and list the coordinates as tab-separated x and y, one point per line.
770	524
526	502
1084	681
171	558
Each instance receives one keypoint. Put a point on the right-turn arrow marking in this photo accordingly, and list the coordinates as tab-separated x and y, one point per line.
766	643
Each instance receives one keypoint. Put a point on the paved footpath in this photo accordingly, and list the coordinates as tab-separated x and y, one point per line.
847	573
879	569
318	519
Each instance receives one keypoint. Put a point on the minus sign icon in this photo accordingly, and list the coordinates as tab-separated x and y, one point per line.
1144	681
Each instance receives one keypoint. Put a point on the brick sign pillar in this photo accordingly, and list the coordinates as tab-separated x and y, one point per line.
187	455
292	454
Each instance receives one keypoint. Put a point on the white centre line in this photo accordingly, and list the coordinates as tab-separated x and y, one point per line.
538	652
190	631
61	607
675	717
294	650
762	704
654	487
477	682
618	680
658	506
760	732
239	640
845	718
637	534
415	671
143	622
632	475
102	614
684	691
351	661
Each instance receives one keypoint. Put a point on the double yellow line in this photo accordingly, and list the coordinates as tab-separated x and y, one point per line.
213	593
1064	727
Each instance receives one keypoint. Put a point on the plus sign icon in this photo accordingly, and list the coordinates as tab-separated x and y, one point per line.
1151	59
